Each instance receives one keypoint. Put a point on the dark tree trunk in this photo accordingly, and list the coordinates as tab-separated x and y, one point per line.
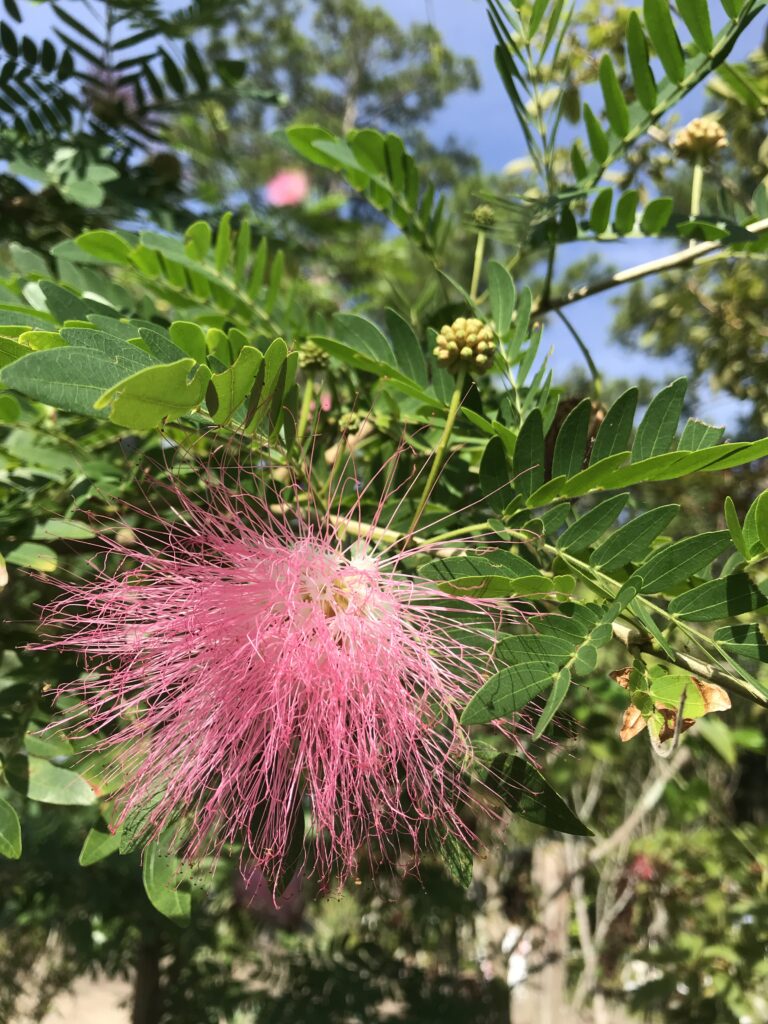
146	987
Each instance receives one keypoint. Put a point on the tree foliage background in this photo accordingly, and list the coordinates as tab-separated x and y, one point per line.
153	300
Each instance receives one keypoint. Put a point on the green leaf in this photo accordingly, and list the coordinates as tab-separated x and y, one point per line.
408	352
10	832
223	248
615	430
67	378
129	358
169	895
501	563
600	214
509	586
143	400
529	456
534	662
598	140
697	435
631	541
10	351
97	846
526	792
656	214
591	477
508	691
670	690
31	555
577	162
640	62
502	295
756	526
615	105
233	385
160	347
10	410
198	237
695	14
657	429
747	640
195	67
173	74
494	475
189	337
351	357
626	208
734	527
105	245
592	525
556	697
456	856
304	137
50	784
720	599
675	563
571	442
63	304
364	336
661	29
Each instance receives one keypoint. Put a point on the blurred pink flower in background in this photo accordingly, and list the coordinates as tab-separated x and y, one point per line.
287	188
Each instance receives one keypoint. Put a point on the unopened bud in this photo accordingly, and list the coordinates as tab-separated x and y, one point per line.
349	422
312	357
467	344
701	137
484	216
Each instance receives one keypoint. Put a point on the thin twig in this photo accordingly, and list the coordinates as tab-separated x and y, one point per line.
676	259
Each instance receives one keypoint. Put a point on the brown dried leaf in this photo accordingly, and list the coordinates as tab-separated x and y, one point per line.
715	697
632	723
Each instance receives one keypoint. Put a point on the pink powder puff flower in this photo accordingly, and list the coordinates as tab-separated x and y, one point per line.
252	664
288	187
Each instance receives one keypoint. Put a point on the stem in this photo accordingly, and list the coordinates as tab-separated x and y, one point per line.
477	266
671	262
547	287
697	184
596	378
442	444
306	406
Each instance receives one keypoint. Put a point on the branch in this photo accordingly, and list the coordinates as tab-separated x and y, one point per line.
643	806
685	257
634	640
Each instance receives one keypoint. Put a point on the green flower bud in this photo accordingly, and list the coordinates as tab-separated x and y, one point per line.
349	422
466	344
484	216
312	357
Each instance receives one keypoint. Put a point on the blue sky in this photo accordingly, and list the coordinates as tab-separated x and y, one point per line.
484	123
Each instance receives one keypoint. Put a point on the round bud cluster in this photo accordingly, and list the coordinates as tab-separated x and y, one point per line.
349	422
700	138
312	357
467	344
484	216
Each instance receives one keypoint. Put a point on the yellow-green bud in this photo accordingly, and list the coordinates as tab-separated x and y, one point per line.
484	216
701	137
467	344
349	422
312	357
